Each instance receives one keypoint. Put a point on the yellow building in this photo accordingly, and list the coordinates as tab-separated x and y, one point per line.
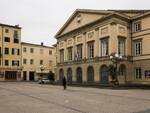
10	52
89	37
37	61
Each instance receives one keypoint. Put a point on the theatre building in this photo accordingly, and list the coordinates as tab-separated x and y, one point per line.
10	49
88	38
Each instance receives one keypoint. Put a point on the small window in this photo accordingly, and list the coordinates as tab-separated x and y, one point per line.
16	40
31	61
138	47
50	63
24	61
24	49
16	34
0	52
50	52
6	30
137	26
6	51
7	39
138	73
41	51
41	62
13	63
31	50
13	51
18	51
6	62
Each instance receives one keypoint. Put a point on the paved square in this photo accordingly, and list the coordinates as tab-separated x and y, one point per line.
20	97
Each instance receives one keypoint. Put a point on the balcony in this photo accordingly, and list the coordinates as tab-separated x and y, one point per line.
92	60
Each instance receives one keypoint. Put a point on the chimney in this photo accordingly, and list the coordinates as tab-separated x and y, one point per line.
42	43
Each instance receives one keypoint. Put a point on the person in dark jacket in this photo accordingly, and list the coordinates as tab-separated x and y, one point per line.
64	83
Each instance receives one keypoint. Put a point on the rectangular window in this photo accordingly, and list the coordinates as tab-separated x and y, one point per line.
6	51
41	62
138	73
104	47
61	55
137	26
24	61
41	51
0	52
79	52
18	63
13	63
50	63
6	30
91	50
6	62
50	52
7	39
138	47
18	51
16	40
16	34
70	53
13	51
121	47
31	50
24	49
31	61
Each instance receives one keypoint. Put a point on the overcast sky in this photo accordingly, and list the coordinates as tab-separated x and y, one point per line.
41	19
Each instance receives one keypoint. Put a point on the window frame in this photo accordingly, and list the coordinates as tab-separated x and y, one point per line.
137	51
138	73
137	26
90	49
122	50
107	47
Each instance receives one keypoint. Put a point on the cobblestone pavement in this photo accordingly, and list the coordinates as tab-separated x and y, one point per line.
24	97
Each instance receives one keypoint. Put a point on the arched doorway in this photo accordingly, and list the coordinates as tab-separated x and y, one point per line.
61	75
69	75
90	74
122	71
79	75
104	75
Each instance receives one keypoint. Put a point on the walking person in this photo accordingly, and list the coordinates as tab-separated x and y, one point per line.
64	83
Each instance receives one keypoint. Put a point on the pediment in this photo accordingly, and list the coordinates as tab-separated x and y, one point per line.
79	19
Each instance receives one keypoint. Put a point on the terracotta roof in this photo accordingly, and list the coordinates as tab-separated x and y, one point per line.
26	43
13	26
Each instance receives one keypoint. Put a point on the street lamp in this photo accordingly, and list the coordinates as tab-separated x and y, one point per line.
116	58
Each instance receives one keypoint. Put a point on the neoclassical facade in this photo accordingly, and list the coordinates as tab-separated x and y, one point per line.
88	38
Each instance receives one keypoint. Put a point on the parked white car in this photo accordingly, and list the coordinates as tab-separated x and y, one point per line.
44	81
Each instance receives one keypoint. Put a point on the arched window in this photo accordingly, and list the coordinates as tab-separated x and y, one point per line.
104	74
90	74
79	75
61	75
69	75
